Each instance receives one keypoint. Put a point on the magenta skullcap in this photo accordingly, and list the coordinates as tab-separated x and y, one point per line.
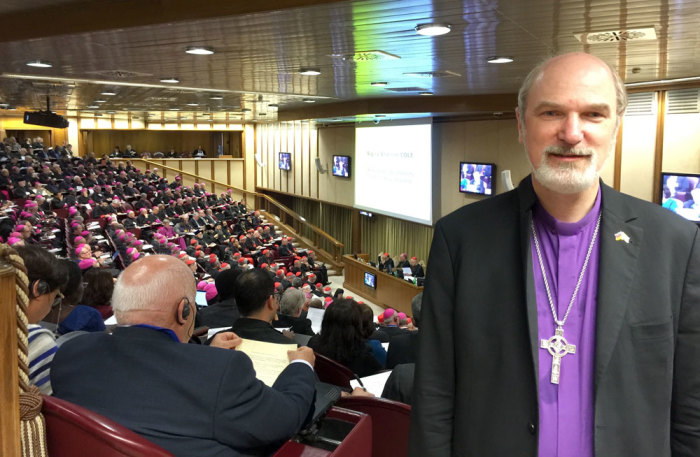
202	285
78	240
13	240
401	316
85	233
87	263
72	210
130	251
136	255
122	236
388	313
19	227
79	248
15	235
138	242
211	290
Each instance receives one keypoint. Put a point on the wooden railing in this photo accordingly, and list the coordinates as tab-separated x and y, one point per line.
326	246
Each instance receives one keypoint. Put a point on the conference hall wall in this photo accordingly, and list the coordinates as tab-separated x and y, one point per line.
103	141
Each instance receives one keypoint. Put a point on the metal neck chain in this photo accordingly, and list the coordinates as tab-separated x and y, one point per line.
560	323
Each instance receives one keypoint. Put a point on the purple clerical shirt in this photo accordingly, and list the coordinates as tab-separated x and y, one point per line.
566	410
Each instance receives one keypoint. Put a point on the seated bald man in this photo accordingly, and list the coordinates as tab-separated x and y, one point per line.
192	400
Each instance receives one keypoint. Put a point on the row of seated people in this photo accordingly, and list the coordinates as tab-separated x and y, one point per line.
404	267
153	301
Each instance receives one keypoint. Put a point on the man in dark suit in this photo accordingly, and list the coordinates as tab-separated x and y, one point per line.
187	398
582	338
224	312
291	306
258	304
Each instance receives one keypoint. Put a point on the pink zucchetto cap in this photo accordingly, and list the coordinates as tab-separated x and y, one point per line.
387	312
79	248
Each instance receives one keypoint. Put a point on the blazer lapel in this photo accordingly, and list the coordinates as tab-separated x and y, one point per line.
527	199
619	250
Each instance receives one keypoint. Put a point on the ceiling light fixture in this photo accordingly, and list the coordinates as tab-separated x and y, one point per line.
193	104
309	71
93	107
174	109
39	64
308	100
500	59
426	92
199	50
434	29
108	93
100	101
216	97
378	83
170	80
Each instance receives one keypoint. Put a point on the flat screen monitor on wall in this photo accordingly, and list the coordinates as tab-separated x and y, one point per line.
341	166
477	178
393	170
285	162
680	193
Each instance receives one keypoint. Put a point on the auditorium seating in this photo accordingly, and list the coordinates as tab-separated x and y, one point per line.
332	372
73	431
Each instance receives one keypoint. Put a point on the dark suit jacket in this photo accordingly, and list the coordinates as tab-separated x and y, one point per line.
189	399
255	329
221	314
476	388
402	349
299	325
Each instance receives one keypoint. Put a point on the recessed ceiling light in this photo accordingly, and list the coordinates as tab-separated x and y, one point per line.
100	101
216	97
500	59
425	92
111	112
309	71
39	64
200	50
433	29
93	107
174	109
108	93
378	83
308	100
170	80
193	104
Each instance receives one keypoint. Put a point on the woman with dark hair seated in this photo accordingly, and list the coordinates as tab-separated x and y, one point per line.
46	278
342	338
97	294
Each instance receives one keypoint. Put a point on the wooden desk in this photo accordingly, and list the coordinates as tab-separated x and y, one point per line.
391	292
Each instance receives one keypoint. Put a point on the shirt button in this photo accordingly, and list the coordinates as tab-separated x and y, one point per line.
531	428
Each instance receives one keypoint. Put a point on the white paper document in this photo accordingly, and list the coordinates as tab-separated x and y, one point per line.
373	384
269	359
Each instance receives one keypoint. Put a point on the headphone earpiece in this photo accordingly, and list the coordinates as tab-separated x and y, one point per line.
42	287
186	309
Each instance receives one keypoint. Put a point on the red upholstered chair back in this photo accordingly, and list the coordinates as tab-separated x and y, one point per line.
389	419
332	372
73	431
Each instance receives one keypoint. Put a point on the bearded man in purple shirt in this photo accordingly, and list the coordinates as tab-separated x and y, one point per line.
580	335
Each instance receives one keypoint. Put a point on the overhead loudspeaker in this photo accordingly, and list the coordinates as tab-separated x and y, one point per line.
319	166
507	182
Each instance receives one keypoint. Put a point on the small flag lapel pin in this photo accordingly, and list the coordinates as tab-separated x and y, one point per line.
622	236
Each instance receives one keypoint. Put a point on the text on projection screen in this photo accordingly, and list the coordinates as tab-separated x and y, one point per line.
393	171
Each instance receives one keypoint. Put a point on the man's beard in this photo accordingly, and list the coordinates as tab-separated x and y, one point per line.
567	177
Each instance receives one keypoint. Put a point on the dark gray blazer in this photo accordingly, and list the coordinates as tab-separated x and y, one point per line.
476	388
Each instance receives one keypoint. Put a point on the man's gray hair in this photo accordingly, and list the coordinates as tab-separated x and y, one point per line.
536	73
163	284
292	301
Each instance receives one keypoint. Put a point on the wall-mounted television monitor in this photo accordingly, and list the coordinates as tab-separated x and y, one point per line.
341	166
477	178
370	280
285	162
680	193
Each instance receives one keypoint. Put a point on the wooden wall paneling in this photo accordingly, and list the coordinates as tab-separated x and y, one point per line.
312	139
659	149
